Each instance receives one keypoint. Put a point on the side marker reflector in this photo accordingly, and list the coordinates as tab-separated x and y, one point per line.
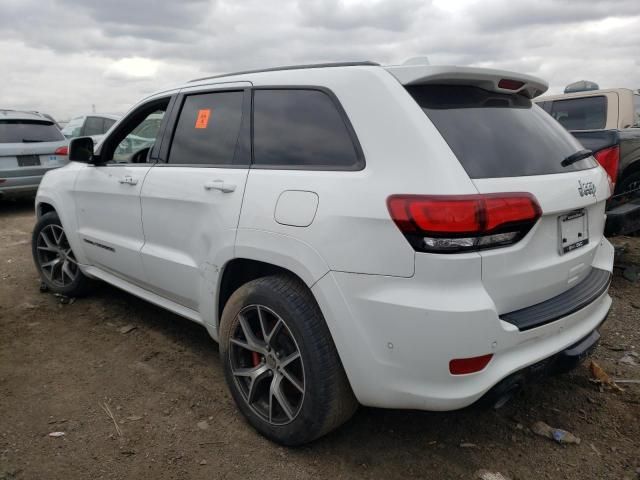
462	366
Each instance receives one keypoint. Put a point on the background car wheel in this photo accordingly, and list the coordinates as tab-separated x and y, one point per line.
630	186
280	362
54	258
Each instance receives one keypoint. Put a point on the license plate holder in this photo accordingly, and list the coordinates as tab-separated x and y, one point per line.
28	160
573	231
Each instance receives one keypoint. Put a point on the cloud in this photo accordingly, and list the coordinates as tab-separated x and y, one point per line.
62	56
391	15
132	68
508	15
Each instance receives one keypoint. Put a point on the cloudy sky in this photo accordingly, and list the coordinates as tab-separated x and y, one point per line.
63	56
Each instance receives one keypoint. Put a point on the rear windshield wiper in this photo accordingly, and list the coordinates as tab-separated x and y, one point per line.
576	157
32	140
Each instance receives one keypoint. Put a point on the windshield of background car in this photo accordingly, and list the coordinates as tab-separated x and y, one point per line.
498	135
29	131
73	128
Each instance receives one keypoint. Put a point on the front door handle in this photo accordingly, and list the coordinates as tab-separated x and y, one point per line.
128	180
220	185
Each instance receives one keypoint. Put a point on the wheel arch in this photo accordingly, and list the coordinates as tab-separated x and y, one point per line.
630	169
259	253
42	208
239	271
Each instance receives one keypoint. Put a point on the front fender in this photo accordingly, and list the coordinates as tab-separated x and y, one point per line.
56	189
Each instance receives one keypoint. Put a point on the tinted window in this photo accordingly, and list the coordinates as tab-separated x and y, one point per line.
28	131
636	116
93	126
300	128
498	135
588	113
108	123
207	130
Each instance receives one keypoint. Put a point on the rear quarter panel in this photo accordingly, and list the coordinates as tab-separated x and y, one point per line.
404	153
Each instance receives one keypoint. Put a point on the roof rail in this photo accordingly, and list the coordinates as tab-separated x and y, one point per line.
291	67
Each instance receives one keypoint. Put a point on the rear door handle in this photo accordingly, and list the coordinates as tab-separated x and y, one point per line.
128	180
220	185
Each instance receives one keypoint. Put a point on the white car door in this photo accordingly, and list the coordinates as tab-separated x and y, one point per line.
107	195
191	199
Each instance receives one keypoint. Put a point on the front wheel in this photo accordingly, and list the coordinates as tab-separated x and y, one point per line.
54	258
280	362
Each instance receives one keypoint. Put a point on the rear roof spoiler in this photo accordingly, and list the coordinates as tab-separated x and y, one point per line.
500	81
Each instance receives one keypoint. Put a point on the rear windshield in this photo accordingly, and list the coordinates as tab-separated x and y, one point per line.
28	131
586	113
498	135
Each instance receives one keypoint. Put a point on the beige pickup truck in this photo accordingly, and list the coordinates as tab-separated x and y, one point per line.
607	122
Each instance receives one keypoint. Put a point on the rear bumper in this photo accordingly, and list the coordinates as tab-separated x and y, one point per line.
574	299
22	180
16	185
396	336
623	219
561	362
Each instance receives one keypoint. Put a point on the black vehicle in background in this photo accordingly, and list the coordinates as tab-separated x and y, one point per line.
607	122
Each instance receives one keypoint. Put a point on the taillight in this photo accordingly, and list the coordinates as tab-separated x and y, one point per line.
455	223
609	158
62	150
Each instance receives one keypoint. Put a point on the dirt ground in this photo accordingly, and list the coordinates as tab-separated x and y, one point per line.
60	363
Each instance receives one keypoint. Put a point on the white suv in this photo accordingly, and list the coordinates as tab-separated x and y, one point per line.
418	237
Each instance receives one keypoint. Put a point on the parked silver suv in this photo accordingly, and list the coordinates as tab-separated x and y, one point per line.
31	144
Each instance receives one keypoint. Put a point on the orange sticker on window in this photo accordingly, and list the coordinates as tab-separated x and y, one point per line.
203	118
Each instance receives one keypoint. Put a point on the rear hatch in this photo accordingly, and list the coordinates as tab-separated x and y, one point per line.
30	147
507	144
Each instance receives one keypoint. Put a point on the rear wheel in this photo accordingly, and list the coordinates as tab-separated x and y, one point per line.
630	186
280	362
55	259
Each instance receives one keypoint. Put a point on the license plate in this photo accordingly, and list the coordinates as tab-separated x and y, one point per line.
573	231
28	160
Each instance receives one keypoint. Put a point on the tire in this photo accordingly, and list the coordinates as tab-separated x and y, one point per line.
48	244
631	183
284	305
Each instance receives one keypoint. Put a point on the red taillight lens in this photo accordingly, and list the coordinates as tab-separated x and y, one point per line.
462	366
508	84
445	215
62	150
446	224
609	158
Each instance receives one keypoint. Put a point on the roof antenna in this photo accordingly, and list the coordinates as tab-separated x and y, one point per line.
424	60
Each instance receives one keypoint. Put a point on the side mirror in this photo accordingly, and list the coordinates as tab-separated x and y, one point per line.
81	149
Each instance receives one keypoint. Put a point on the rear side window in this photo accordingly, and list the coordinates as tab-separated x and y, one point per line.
498	135
207	130
108	123
29	131
301	129
94	126
636	113
73	128
587	113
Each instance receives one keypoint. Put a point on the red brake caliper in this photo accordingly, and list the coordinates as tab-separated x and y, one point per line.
255	358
